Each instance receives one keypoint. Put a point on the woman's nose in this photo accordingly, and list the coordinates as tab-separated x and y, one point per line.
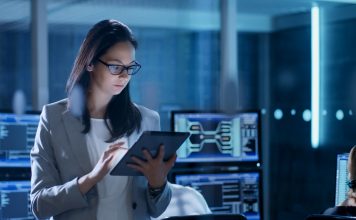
123	74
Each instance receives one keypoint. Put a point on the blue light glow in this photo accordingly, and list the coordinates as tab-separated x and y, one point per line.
293	112
315	85
339	115
278	114
306	115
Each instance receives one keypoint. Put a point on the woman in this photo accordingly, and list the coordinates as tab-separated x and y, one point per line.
73	154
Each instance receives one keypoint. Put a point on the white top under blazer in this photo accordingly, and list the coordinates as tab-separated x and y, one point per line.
113	191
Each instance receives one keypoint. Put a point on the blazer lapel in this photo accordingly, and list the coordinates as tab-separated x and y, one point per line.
77	141
133	138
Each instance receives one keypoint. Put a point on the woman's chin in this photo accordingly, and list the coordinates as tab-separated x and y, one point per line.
117	90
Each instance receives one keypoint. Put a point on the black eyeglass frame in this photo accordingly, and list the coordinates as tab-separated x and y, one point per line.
127	68
352	184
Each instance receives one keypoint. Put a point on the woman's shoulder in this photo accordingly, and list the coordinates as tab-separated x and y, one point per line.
146	112
150	118
55	107
60	104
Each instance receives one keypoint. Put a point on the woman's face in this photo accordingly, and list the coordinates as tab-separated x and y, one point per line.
122	53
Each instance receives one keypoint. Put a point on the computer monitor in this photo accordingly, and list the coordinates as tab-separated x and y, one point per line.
17	134
341	178
15	200
218	137
227	193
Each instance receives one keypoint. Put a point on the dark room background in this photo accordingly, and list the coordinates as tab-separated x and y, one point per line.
180	70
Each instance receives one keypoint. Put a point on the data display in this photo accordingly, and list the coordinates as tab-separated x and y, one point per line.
15	200
17	134
227	193
341	178
217	137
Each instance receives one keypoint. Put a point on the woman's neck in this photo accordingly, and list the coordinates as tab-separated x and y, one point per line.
97	105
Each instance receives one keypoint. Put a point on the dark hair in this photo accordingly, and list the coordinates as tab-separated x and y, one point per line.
124	117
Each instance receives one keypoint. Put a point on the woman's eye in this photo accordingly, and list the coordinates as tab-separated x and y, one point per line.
114	67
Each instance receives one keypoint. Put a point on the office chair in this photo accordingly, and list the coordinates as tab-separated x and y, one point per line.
209	217
185	201
329	217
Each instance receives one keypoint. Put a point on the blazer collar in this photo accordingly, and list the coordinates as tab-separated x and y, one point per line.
74	128
133	138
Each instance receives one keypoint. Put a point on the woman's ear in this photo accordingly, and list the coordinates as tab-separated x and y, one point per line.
90	67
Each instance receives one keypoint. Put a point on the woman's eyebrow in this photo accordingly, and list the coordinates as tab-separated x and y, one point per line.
119	61
114	59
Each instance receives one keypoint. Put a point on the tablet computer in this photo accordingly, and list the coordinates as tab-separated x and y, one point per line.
150	140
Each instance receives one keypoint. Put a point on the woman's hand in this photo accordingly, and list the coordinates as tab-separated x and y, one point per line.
350	200
154	169
102	167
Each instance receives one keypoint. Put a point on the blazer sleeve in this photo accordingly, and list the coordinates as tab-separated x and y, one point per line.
158	204
49	196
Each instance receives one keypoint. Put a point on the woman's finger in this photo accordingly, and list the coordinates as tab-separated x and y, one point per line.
147	155
138	161
119	144
135	167
112	149
171	161
161	152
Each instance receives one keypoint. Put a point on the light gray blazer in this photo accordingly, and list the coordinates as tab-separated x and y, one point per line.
59	157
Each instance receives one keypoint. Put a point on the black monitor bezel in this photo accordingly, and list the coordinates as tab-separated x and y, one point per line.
218	163
28	112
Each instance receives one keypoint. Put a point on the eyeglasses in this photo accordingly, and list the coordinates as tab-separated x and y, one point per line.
117	69
351	184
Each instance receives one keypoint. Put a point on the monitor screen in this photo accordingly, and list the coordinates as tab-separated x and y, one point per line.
341	178
218	137
227	193
17	134
15	200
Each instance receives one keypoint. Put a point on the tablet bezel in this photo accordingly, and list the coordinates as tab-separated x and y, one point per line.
151	141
